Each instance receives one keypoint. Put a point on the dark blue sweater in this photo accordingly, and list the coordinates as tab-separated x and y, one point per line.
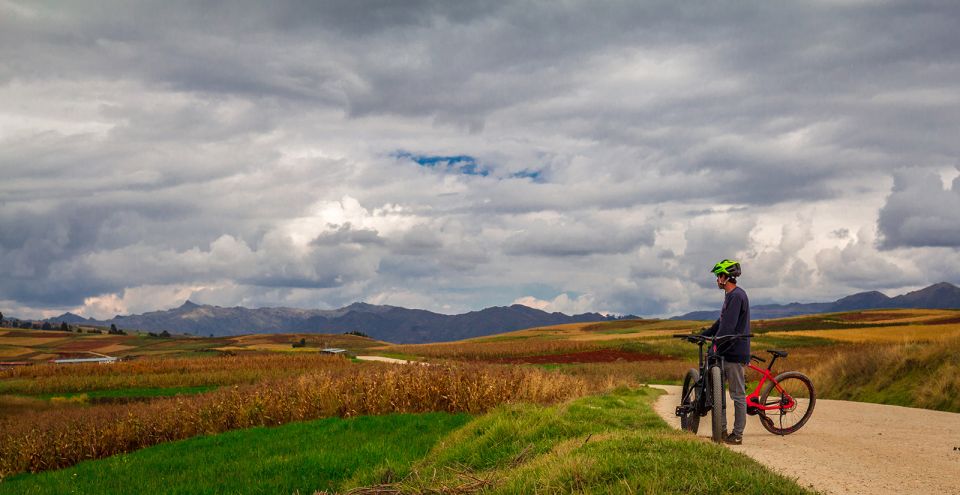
734	320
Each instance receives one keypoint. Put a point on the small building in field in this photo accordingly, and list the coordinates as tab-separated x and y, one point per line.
101	360
333	350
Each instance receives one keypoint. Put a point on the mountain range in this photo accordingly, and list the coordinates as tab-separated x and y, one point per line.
389	323
938	296
402	325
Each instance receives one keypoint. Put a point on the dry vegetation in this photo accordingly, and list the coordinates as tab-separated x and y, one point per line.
916	374
158	372
54	439
484	351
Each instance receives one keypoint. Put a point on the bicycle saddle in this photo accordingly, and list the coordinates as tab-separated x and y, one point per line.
781	354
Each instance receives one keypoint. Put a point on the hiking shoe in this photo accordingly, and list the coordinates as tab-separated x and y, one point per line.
732	439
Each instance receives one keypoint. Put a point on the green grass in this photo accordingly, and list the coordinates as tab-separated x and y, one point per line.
613	443
133	393
315	455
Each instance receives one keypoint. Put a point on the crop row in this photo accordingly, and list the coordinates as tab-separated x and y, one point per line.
492	350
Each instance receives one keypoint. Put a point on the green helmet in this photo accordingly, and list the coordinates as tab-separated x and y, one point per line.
729	268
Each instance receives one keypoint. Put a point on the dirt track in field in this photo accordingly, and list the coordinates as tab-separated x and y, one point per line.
853	447
598	356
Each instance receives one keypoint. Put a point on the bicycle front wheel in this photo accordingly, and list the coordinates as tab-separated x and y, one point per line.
690	400
794	397
716	400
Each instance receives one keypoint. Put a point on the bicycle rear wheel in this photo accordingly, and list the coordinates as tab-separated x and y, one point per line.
793	393
716	401
690	400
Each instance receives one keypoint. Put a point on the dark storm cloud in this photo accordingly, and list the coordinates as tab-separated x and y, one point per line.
920	212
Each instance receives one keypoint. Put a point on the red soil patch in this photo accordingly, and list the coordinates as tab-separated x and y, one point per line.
943	321
867	317
600	356
618	325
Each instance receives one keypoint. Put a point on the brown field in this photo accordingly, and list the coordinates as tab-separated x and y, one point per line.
114	348
598	356
907	333
45	334
18	341
8	352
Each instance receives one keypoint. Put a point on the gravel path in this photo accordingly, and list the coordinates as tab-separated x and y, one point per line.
853	447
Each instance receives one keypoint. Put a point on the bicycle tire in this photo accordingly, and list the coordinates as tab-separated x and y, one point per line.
716	400
800	388
690	397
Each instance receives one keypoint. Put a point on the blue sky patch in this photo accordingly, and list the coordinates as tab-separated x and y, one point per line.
534	175
462	164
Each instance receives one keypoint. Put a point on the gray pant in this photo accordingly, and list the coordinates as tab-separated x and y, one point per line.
733	373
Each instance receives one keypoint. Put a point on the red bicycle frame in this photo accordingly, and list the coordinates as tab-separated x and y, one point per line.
753	398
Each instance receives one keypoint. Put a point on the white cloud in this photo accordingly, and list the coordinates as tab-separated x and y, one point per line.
563	303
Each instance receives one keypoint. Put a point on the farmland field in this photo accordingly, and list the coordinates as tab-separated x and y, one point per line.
172	389
37	346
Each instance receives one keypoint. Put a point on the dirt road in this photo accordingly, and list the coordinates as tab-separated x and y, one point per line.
854	447
383	359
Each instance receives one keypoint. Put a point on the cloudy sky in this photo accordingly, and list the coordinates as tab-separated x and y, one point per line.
573	156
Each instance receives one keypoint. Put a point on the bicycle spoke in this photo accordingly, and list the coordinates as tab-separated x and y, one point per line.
792	400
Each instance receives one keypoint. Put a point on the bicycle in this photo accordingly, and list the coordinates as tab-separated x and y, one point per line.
789	397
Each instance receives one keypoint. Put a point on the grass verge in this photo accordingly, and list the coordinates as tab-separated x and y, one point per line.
300	457
611	443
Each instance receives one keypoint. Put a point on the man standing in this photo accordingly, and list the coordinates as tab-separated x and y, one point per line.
734	320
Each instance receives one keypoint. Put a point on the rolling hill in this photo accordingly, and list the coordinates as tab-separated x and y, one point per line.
938	296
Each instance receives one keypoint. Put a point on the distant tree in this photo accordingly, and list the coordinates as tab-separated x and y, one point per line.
64	327
26	324
165	334
46	326
151	334
1	316
211	335
113	329
302	343
358	333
